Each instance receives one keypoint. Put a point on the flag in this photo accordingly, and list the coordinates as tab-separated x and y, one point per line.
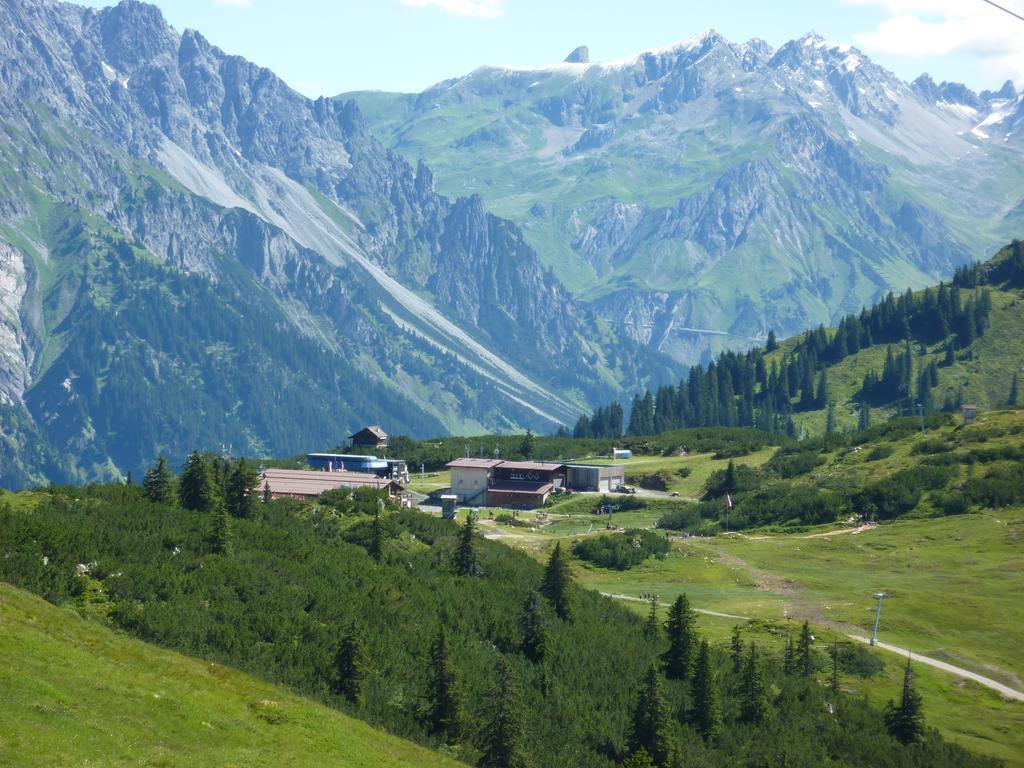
728	501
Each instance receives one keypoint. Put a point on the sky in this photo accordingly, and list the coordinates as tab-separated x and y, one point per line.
326	47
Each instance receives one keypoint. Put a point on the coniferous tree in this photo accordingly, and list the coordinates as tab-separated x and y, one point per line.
788	662
730	477
822	397
267	493
736	650
681	639
639	759
1014	398
753	691
651	625
864	417
526	446
805	662
241	493
707	707
221	535
158	483
443	702
834	685
557	582
534	626
350	665
651	728
905	721
197	489
830	419
503	731
376	547
464	561
772	344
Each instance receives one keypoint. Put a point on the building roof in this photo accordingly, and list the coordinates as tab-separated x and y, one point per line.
533	466
303	482
969	407
469	463
527	489
616	467
374	430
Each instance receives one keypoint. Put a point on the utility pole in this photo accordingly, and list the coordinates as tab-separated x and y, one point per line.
880	596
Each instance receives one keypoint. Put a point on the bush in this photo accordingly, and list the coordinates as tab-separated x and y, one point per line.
622	550
786	502
879	452
897	495
788	465
745	479
930	446
858	660
684	518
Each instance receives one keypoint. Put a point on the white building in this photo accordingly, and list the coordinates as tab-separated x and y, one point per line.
471	478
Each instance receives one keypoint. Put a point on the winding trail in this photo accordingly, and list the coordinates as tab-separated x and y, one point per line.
1004	690
705	611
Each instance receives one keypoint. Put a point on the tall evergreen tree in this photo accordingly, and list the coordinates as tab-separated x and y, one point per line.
681	639
651	728
376	548
241	490
350	666
527	445
805	661
905	721
158	483
503	731
864	416
534	626
1014	398
707	707
651	625
464	561
197	489
772	344
221	536
830	419
557	583
736	650
788	661
443	701
753	690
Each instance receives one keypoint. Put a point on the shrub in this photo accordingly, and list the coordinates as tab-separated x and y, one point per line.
788	465
622	550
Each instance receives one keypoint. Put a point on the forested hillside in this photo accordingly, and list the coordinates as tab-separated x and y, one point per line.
415	624
925	351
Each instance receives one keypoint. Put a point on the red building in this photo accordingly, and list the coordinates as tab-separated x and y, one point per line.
523	484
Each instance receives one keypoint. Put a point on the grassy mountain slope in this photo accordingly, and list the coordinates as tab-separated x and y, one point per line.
77	693
299	582
953	580
981	373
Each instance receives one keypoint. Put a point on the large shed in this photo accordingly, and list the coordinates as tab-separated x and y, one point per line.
308	484
603	478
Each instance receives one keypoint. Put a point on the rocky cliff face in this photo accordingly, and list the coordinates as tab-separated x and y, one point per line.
759	188
298	258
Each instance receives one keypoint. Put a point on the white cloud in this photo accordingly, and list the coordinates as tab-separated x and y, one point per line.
922	28
480	9
234	3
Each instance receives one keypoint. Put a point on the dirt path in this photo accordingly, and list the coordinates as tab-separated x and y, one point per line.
705	611
1006	691
840	531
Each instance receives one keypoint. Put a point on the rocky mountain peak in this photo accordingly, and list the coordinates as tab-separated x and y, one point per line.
579	55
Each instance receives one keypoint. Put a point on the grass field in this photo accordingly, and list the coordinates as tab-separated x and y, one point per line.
953	583
78	694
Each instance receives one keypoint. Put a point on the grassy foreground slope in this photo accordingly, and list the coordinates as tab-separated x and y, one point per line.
76	693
